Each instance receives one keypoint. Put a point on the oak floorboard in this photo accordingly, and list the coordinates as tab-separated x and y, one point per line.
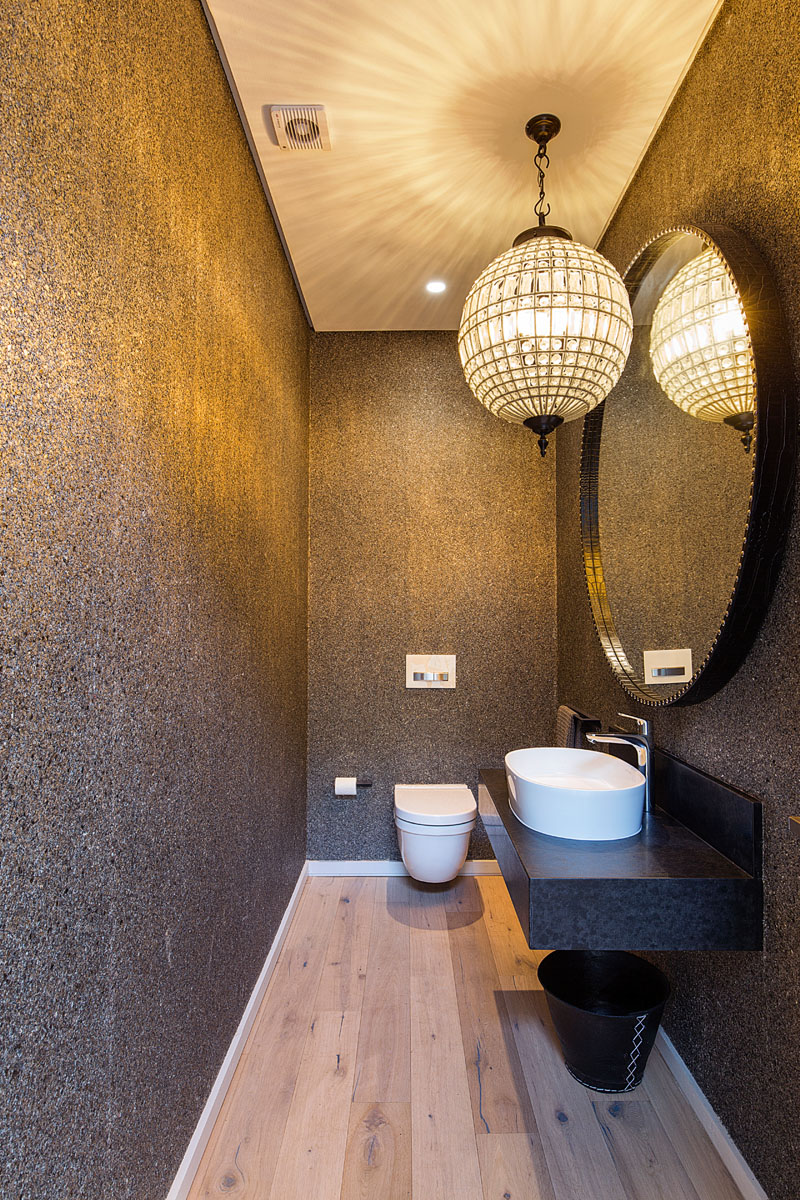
508	1171
463	895
311	1158
344	974
708	1173
444	1154
425	903
240	1157
512	955
578	1158
377	1163
383	1061
500	1101
643	1155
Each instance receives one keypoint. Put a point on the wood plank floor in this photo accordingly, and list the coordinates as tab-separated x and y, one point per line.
404	1049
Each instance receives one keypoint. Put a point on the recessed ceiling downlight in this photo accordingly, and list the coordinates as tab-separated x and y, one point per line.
435	286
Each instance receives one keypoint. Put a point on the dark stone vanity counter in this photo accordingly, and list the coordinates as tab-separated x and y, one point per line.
664	889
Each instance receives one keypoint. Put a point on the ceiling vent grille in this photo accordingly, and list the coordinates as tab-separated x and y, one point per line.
301	126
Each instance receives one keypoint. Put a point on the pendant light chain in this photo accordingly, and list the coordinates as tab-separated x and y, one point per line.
542	162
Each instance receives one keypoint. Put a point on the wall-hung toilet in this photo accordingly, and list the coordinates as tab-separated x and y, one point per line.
434	821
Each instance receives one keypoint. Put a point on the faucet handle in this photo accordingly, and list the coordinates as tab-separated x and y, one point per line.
642	724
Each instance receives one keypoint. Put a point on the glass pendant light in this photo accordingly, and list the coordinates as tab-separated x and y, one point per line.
700	346
546	328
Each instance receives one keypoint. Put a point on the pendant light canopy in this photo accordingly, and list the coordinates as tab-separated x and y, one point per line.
700	346
546	328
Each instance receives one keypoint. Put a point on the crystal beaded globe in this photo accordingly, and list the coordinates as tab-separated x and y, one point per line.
700	345
546	330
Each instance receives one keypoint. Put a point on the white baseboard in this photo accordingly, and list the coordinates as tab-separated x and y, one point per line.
386	866
722	1141
194	1151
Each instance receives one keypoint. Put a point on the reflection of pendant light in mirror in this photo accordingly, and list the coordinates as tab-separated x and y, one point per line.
546	328
700	346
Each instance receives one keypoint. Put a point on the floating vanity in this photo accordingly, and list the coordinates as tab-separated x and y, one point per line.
691	880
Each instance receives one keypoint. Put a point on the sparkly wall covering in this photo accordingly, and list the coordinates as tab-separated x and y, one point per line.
153	448
431	531
728	151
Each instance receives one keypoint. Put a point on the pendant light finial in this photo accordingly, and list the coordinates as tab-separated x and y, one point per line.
543	426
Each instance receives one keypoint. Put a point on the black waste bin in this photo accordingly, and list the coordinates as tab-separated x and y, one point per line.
606	1006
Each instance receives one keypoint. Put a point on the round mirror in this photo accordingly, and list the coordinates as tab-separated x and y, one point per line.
687	469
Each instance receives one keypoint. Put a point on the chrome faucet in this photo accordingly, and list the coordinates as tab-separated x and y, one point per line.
642	743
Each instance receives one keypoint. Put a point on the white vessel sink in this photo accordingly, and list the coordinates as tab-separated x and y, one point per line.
578	794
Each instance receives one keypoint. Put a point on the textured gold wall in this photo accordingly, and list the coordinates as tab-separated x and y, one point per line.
153	443
431	532
728	151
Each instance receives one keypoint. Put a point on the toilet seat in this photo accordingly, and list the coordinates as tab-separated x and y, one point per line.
434	804
434	830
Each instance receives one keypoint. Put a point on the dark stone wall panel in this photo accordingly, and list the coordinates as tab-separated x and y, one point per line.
728	151
431	532
153	559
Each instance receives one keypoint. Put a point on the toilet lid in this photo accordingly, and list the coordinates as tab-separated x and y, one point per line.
434	803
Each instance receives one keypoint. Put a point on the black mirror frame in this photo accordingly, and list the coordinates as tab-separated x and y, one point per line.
771	499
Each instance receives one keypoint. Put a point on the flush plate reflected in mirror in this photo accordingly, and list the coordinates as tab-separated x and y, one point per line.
687	469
